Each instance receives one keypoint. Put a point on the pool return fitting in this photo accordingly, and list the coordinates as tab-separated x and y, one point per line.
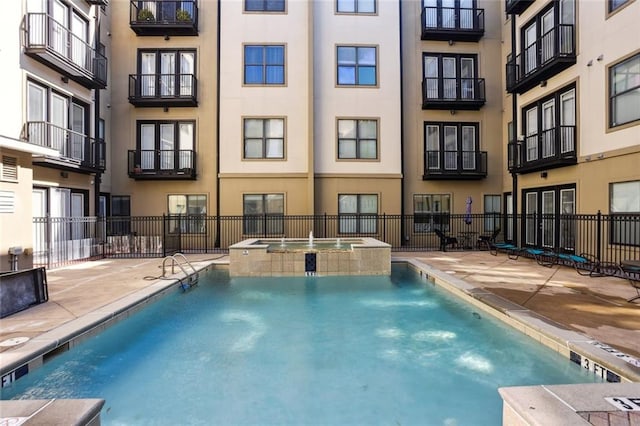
179	260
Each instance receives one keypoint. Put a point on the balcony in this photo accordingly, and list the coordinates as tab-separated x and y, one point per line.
453	93
550	149
164	17
516	7
163	90
455	165
78	152
159	164
552	53
54	45
455	24
98	2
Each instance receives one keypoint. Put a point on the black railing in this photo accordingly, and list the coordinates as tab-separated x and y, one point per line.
449	23
553	52
162	164
164	17
551	148
51	42
453	93
74	147
517	6
440	164
57	241
163	89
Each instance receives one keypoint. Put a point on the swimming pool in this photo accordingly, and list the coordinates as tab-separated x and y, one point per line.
321	350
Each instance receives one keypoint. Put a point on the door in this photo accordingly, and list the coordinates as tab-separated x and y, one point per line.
433	147
77	216
548	128
448	13
59	121
431	75
531	219
36	114
466	14
547	224
78	131
59	28
548	36
430	13
467	78
530	55
451	147
79	41
468	148
148	74
567	19
567	121
449	74
531	138
567	225
167	74
508	204
39	213
167	146
147	147
187	72
185	155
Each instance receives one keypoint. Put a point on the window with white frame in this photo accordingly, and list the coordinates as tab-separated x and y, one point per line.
451	146
264	5
492	209
187	213
264	64
431	211
624	92
357	66
263	214
356	6
625	213
358	139
263	138
357	213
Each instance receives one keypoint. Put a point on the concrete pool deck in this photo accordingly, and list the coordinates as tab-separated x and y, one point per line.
549	300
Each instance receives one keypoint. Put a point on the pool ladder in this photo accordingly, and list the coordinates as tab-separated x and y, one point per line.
179	260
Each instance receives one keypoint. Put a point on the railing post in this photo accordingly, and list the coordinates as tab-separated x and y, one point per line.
599	236
324	224
164	236
48	236
384	227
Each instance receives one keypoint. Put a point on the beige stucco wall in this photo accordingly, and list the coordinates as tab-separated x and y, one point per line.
329	187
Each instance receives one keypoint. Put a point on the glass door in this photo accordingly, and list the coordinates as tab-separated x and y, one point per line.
548	129
59	28
431	77
433	146
148	147
467	78
79	41
531	137
548	220
531	227
167	74
530	54
430	13
167	146
548	36
567	225
185	157
449	74
59	121
36	114
451	147
148	74
78	131
187	72
567	121
466	14
468	148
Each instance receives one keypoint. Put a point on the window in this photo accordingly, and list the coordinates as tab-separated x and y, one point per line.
264	5
263	214
491	212
357	66
357	139
431	211
165	145
616	4
120	221
263	138
450	76
451	146
263	64
625	213
549	126
357	213
166	73
624	92
356	6
187	213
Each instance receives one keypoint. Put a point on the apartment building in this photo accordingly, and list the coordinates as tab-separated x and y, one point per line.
52	130
572	114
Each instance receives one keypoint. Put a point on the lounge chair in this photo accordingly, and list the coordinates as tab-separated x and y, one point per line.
632	273
486	241
586	264
445	240
512	250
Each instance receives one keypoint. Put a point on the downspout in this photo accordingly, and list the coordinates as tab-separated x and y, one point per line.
402	177
96	122
514	121
217	142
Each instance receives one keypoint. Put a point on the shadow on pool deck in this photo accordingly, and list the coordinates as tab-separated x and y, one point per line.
596	307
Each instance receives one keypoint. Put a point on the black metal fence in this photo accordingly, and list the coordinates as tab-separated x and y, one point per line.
59	241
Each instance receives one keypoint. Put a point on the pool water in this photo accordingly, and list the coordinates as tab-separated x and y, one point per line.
356	350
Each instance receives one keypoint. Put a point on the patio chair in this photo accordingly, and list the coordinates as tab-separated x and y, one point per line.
512	250
486	241
587	265
632	273
445	240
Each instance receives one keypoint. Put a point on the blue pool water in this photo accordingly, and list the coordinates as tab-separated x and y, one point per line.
309	350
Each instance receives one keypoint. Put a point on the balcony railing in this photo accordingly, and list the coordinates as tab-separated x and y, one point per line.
516	6
158	164
55	45
549	149
164	17
449	23
77	150
552	53
455	165
149	90
98	2
453	93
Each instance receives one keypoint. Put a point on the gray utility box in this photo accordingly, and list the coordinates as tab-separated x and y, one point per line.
22	289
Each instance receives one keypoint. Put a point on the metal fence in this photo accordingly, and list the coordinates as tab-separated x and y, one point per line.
59	241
